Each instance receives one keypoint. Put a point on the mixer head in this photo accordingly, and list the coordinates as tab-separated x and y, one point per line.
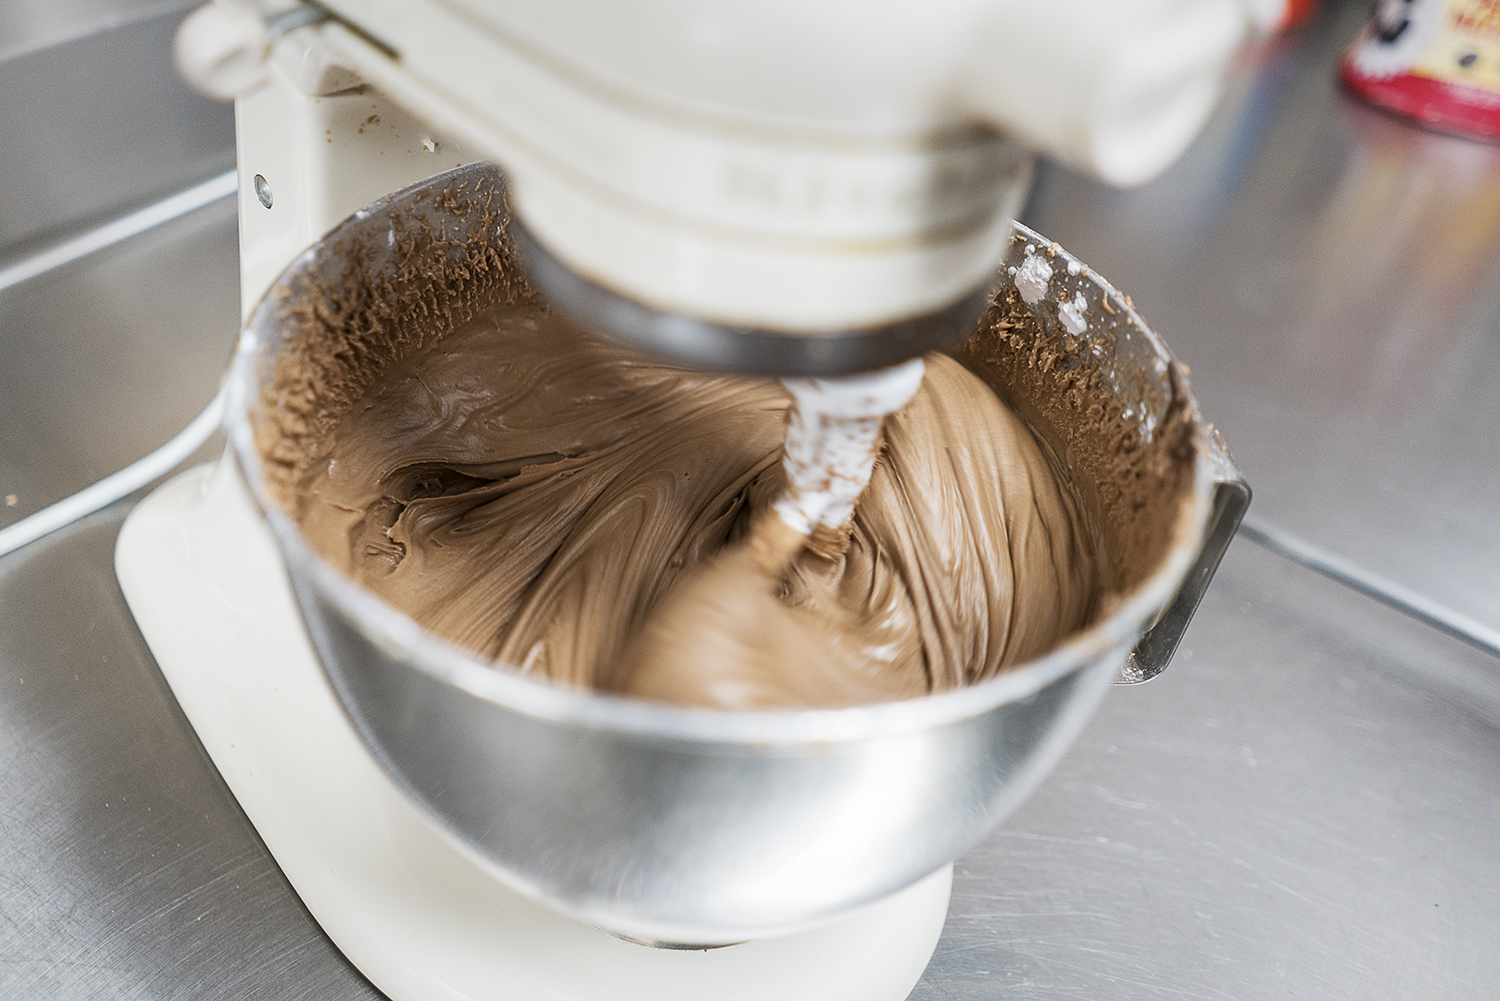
785	189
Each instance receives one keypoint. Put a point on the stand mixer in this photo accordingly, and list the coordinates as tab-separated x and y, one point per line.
807	192
778	188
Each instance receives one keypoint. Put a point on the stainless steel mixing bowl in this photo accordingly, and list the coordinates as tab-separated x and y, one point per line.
685	825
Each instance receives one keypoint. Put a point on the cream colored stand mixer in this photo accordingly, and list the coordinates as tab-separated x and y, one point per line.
805	190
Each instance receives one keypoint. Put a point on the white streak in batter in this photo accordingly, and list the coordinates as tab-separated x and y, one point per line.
832	440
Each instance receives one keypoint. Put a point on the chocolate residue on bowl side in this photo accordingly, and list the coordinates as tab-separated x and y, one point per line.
1132	477
341	328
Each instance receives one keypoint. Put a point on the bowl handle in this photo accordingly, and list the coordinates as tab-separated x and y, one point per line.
1231	499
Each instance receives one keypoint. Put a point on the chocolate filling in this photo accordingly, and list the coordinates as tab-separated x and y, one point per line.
569	508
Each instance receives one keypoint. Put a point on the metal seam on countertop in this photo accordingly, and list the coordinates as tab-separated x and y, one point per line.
1384	590
133	477
134	224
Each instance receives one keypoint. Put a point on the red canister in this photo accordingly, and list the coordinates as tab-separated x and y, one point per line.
1437	61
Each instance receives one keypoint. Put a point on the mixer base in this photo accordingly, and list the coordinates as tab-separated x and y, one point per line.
420	919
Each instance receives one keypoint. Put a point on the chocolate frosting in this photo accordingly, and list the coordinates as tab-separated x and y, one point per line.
573	510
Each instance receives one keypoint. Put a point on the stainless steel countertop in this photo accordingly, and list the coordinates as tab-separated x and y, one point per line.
1306	803
1332	276
95	119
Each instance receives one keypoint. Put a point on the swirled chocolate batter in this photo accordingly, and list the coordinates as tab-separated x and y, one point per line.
568	508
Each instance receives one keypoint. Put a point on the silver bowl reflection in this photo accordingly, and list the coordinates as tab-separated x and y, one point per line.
685	825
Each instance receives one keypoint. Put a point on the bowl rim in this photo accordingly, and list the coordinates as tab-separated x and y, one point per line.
761	730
